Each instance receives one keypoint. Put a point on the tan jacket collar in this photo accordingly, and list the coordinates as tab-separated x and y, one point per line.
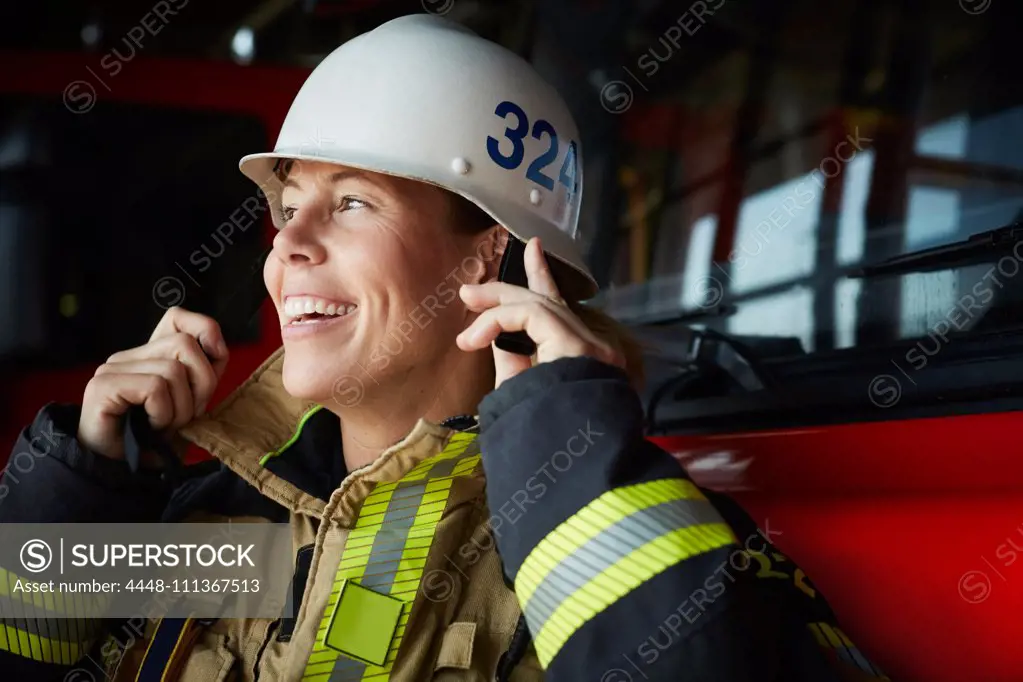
260	417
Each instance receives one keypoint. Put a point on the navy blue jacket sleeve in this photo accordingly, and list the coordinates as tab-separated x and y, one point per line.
51	478
623	568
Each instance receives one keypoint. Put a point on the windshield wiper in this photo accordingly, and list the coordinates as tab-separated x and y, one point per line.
983	247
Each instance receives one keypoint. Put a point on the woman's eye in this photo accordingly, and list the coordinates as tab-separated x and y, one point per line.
348	203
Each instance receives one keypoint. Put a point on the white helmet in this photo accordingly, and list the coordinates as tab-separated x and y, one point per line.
424	98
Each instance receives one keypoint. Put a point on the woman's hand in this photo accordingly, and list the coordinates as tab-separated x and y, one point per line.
172	376
539	311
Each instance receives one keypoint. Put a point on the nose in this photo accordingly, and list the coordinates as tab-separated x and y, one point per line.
297	242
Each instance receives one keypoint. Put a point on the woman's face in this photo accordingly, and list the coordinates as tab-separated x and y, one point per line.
365	275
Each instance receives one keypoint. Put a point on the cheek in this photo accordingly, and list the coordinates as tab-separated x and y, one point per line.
389	265
273	273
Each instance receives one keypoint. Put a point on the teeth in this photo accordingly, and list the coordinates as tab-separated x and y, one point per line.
297	306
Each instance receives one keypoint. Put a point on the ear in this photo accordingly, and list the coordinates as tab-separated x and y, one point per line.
490	246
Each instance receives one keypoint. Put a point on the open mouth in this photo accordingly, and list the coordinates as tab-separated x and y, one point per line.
300	310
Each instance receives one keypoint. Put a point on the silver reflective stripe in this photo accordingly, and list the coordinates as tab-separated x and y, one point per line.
389	544
63	632
390	540
63	629
347	669
605	549
384	558
42	621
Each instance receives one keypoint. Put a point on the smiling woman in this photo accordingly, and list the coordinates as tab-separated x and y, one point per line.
464	512
370	262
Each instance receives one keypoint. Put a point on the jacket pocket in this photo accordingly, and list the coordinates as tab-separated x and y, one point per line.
470	654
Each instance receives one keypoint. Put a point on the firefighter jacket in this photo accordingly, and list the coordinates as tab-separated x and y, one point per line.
543	539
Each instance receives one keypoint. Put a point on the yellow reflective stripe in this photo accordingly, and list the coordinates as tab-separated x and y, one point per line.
818	635
591	521
411	563
73	605
624	576
456	447
50	627
833	641
38	648
845	640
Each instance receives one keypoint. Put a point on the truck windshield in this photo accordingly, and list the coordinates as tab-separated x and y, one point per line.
772	156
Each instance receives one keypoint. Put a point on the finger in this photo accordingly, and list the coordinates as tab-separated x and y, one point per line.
479	297
538	271
202	328
181	346
173	372
541	323
507	365
118	392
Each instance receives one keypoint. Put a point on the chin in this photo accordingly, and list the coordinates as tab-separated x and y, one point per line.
306	379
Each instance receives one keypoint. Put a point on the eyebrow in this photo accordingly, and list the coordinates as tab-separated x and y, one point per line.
336	177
